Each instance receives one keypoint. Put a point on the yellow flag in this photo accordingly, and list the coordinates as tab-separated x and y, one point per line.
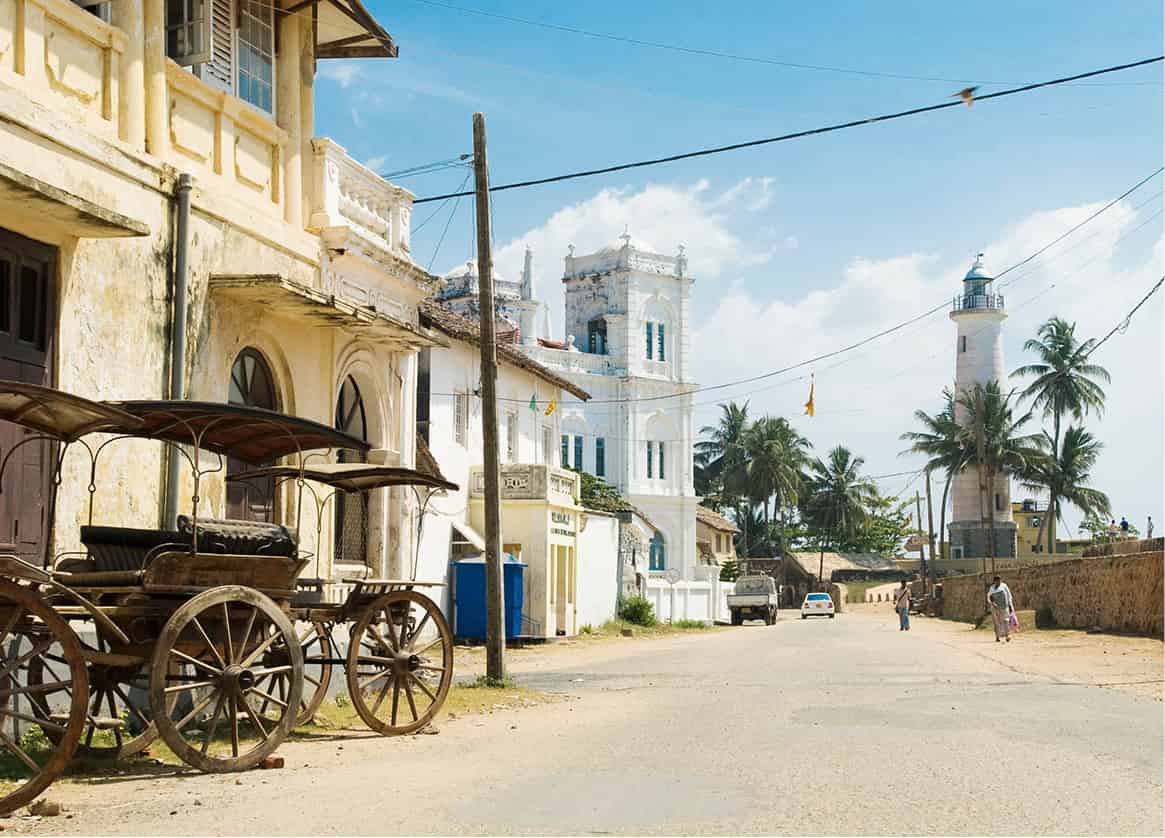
550	407
809	404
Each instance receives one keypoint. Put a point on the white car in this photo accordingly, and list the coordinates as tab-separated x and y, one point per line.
817	605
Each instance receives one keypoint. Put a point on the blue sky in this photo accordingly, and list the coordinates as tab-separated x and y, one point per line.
830	237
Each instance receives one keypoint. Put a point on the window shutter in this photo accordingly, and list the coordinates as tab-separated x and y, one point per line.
659	332
600	457
649	342
578	453
661	475
218	70
650	460
565	451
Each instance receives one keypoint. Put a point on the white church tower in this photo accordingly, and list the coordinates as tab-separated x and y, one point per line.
627	344
979	314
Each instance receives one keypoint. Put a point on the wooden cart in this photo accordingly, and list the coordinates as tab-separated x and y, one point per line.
189	634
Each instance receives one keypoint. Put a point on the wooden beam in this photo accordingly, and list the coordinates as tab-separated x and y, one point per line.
379	51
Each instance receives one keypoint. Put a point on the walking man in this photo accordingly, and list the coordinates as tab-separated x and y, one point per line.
1149	527
902	606
1002	607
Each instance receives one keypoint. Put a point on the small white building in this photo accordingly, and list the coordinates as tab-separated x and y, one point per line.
570	554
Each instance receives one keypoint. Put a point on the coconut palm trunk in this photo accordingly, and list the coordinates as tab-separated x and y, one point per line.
944	546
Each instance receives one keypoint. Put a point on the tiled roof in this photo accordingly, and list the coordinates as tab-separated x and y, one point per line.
717	522
426	462
464	329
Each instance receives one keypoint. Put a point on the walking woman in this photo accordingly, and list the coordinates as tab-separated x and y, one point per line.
1002	607
902	606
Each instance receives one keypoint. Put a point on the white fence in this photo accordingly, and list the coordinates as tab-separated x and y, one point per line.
705	600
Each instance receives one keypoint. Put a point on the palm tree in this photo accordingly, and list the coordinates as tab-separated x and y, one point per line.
1066	473
1065	382
776	459
838	497
996	445
722	455
939	442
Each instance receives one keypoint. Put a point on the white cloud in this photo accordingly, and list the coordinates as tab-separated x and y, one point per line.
658	217
865	399
342	73
376	163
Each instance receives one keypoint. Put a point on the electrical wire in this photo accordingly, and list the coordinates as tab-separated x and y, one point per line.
710	52
871	338
1124	324
522	184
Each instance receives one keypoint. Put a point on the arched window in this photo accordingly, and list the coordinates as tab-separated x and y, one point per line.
252	385
351	525
657	556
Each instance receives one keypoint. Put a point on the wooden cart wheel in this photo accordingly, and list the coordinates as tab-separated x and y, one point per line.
400	662
220	638
115	727
315	645
30	631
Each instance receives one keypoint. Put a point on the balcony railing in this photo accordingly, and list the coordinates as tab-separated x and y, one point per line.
63	57
530	482
978	301
568	361
348	194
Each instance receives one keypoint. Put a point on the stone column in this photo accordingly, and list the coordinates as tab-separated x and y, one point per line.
306	104
128	16
157	106
287	99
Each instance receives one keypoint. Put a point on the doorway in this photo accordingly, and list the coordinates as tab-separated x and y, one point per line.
27	334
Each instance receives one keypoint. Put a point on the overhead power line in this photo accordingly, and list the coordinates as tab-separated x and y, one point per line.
871	338
522	184
703	51
1124	324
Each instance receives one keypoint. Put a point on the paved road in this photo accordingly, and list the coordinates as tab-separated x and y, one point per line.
834	726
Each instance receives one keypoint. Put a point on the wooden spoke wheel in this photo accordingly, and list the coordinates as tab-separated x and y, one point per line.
315	645
33	636
400	662
118	724
220	640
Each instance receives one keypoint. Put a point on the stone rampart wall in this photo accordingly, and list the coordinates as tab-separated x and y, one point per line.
1115	593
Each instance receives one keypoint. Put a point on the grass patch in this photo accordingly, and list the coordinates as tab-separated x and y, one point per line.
615	628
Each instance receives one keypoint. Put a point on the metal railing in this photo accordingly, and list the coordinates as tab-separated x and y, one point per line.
978	301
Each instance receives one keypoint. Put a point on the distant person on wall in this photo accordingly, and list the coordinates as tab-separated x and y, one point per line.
1002	607
1149	527
902	606
1113	530
1124	528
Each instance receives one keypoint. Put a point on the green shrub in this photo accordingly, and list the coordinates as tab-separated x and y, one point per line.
1045	619
729	571
637	610
587	629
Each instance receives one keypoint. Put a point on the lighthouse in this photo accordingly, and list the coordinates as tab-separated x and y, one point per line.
978	313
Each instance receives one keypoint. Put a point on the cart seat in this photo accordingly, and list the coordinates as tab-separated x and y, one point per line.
241	538
117	549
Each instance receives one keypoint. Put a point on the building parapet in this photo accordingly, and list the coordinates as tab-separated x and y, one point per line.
347	193
567	360
530	482
64	58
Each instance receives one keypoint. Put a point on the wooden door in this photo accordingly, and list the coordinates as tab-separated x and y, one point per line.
27	330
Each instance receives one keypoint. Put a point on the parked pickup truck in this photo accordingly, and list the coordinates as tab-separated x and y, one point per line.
753	598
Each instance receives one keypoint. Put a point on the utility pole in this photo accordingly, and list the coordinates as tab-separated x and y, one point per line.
495	629
930	527
921	548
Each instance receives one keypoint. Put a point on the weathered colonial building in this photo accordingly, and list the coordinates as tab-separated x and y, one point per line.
293	266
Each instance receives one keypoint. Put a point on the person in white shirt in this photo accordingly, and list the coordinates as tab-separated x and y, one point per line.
1002	607
902	606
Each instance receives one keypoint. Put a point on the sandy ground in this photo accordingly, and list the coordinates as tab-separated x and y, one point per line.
806	727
